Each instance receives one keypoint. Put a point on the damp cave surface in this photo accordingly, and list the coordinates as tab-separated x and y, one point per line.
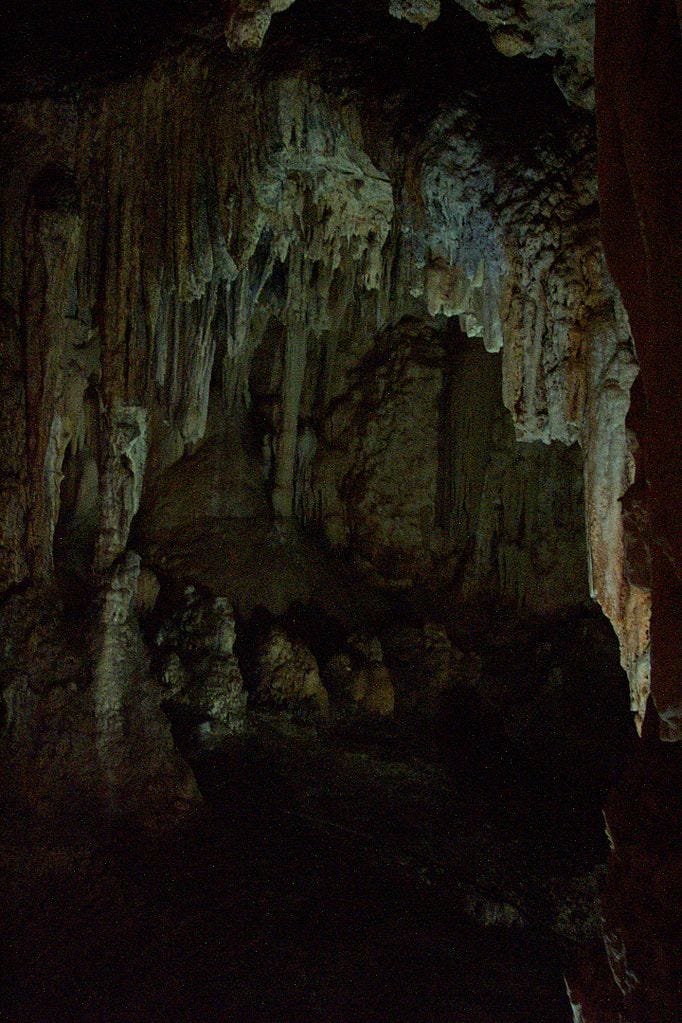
309	709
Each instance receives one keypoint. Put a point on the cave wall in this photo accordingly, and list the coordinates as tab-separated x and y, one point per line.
640	148
157	230
199	240
638	50
417	471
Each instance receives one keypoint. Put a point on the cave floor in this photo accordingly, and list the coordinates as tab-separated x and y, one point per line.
353	877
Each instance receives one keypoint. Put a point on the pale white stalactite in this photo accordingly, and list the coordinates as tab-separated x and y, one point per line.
286	441
278	212
121	477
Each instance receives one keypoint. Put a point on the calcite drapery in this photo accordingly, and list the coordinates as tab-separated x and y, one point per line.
146	233
192	216
278	213
637	60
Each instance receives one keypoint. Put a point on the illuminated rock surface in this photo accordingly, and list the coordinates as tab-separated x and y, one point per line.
321	424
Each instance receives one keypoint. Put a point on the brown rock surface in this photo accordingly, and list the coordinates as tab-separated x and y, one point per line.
637	64
288	677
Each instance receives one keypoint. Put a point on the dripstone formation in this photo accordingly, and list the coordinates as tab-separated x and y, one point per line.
307	334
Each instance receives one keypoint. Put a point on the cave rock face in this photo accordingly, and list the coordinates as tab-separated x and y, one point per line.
256	274
83	730
288	677
359	680
200	671
562	29
418	473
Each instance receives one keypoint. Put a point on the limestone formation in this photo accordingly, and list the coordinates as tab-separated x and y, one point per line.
422	12
455	501
121	481
299	322
358	680
637	57
314	252
83	729
372	691
199	670
283	250
426	668
288	677
250	20
562	29
147	592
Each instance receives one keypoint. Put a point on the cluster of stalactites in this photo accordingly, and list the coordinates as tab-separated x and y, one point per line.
186	226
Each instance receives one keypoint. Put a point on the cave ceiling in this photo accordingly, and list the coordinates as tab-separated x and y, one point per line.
72	43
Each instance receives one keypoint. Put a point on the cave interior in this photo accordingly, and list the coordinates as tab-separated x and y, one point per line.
339	567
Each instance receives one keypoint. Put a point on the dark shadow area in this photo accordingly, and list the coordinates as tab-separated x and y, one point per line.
368	870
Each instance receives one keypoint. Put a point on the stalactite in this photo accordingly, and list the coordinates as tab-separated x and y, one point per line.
609	471
52	239
287	433
184	232
124	454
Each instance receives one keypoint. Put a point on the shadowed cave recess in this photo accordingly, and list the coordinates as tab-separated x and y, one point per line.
340	575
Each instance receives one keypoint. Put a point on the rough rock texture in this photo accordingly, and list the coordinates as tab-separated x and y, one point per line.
426	667
637	61
417	471
422	12
288	677
373	483
82	726
250	20
359	680
218	242
132	737
315	236
568	361
199	669
372	691
216	271
640	147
